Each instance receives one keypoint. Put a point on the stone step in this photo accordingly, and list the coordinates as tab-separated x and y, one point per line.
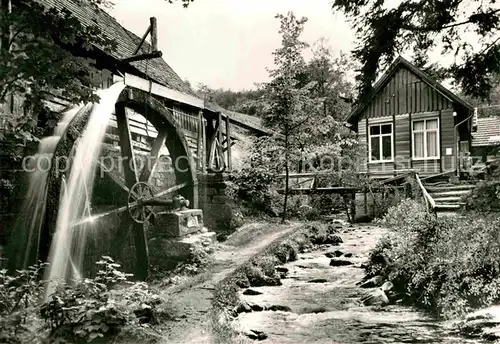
456	193
450	187
446	207
450	199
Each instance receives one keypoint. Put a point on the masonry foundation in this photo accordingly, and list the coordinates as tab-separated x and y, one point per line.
216	205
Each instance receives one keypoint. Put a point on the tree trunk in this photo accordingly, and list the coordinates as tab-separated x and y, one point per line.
287	172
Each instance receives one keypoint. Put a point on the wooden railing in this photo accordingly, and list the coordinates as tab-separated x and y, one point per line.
186	121
429	201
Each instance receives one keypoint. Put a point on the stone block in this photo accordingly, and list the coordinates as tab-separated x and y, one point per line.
179	223
166	253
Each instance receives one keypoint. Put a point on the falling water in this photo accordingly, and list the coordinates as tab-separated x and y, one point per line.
33	208
68	244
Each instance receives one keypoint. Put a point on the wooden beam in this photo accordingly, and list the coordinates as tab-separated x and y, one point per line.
153	157
232	144
127	152
212	145
228	139
149	56
126	147
142	41
203	145
159	90
219	139
112	176
328	190
154	33
199	145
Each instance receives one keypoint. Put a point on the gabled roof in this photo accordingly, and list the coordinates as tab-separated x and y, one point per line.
389	74
157	69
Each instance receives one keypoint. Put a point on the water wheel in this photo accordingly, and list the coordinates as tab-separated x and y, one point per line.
121	192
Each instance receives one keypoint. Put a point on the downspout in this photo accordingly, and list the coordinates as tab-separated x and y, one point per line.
457	144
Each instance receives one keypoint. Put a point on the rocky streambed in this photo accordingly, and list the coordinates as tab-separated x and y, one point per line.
320	300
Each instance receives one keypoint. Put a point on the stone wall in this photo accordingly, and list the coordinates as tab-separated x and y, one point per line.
216	205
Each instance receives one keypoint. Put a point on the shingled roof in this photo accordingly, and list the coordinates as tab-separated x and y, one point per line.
488	127
157	69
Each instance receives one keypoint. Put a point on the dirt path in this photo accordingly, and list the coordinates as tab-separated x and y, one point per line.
324	303
191	302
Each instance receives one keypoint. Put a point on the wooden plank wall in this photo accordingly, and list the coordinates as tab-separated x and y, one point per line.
446	125
427	167
405	93
402	153
404	98
364	146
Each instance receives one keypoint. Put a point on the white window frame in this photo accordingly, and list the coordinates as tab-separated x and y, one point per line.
380	142
425	130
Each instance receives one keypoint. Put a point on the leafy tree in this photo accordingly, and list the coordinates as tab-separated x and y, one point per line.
466	30
329	74
247	101
290	103
35	59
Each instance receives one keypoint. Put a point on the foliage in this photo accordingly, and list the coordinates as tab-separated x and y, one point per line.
289	104
200	259
19	296
100	307
485	197
384	29
85	311
252	186
448	265
330	81
384	197
35	60
6	189
247	101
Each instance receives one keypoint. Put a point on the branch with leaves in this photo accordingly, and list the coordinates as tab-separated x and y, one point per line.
421	26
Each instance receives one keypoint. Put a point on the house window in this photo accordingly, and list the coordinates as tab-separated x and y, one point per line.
380	141
426	139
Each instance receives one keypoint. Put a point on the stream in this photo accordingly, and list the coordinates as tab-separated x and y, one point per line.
324	303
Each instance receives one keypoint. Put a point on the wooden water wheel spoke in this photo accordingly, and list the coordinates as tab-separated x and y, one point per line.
153	157
126	147
139	193
130	171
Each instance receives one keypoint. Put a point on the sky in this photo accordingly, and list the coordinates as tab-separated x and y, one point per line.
229	43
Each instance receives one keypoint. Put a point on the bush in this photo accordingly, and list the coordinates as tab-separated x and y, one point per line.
99	308
6	189
199	260
89	310
252	188
19	305
448	265
485	197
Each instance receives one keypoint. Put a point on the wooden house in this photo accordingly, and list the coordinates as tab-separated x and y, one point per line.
411	122
486	138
